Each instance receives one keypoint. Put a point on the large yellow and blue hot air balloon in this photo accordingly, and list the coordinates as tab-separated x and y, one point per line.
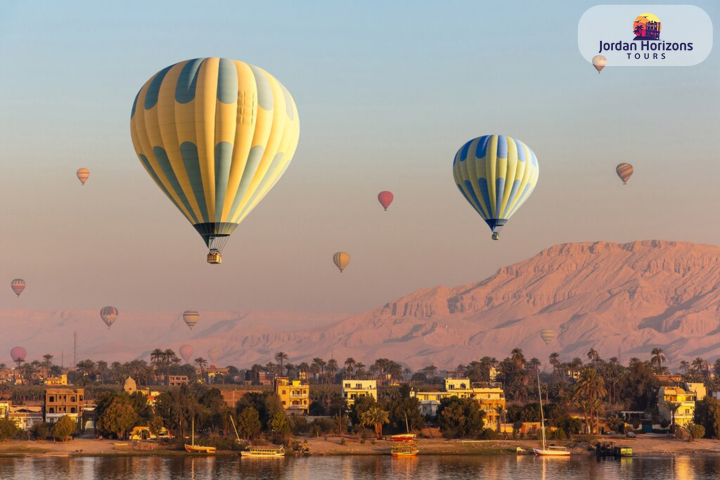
495	174
215	135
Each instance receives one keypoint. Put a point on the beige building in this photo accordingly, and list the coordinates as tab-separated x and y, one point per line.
490	397
353	389
63	401
58	380
294	395
676	396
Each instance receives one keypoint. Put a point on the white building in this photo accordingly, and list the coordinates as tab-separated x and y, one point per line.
353	389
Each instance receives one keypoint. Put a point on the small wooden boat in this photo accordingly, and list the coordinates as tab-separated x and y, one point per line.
552	451
407	449
547	450
192	448
609	449
199	449
403	437
263	452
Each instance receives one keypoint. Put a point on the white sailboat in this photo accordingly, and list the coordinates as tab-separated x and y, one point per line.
547	450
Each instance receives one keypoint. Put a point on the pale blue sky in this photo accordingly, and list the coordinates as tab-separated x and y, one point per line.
386	93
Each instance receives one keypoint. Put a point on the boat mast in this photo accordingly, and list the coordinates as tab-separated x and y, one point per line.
542	415
192	433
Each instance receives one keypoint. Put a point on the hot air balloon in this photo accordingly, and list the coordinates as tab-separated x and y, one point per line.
624	171
385	198
191	317
109	315
495	174
213	354
83	174
18	354
215	135
341	260
18	285
547	335
186	352
599	62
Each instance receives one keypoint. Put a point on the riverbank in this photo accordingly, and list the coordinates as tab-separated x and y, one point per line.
334	446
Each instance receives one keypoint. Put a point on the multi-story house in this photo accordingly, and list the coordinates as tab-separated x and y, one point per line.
354	389
294	395
63	401
676	404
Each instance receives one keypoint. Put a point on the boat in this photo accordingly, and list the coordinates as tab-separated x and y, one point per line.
403	437
609	449
263	452
192	448
406	449
547	450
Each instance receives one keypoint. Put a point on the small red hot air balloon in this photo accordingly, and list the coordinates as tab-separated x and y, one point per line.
17	285
18	354
385	198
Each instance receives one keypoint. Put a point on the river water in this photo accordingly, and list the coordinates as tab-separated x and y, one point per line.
342	468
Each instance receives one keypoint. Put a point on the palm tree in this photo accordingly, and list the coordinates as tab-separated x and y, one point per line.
673	407
658	358
280	357
360	370
319	364
47	363
517	358
350	365
101	369
202	364
430	371
593	356
554	361
332	367
376	418
589	387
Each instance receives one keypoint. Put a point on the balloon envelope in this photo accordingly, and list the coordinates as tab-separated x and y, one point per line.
17	285
214	354
495	174
599	62
191	317
83	174
385	198
341	260
109	315
18	354
547	335
186	352
624	171
215	135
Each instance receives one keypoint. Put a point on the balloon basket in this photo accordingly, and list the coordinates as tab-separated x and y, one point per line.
214	257
496	236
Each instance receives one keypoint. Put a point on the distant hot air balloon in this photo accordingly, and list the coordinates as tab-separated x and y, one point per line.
495	174
385	198
191	317
83	174
214	354
109	315
341	260
599	62
18	285
215	135
624	171
18	354
186	352
547	335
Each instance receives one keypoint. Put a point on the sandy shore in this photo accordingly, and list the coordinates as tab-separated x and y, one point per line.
643	446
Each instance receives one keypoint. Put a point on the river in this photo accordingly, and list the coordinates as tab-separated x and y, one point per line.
346	468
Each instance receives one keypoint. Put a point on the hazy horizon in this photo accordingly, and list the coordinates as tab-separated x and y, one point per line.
386	95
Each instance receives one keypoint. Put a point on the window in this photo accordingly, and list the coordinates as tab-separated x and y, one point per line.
51	399
347	385
72	399
72	410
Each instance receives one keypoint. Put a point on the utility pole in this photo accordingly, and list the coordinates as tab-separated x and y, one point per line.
74	349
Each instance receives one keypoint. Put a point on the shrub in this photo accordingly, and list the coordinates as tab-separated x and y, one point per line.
64	428
220	442
323	425
558	434
41	430
8	429
299	425
488	434
697	431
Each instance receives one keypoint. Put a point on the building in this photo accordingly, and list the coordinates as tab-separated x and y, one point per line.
58	380
231	397
25	416
489	395
214	373
4	408
177	380
676	396
63	401
352	389
698	389
294	395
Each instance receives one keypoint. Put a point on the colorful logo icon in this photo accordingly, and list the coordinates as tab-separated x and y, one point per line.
647	27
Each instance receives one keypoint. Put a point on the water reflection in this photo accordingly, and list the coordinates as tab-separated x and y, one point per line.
370	467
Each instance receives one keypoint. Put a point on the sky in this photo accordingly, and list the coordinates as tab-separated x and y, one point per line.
386	94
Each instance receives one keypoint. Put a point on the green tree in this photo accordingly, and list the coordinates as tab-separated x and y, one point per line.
460	418
248	423
657	360
405	413
707	414
589	390
41	430
279	425
280	357
361	405
64	428
118	418
155	425
375	417
8	429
